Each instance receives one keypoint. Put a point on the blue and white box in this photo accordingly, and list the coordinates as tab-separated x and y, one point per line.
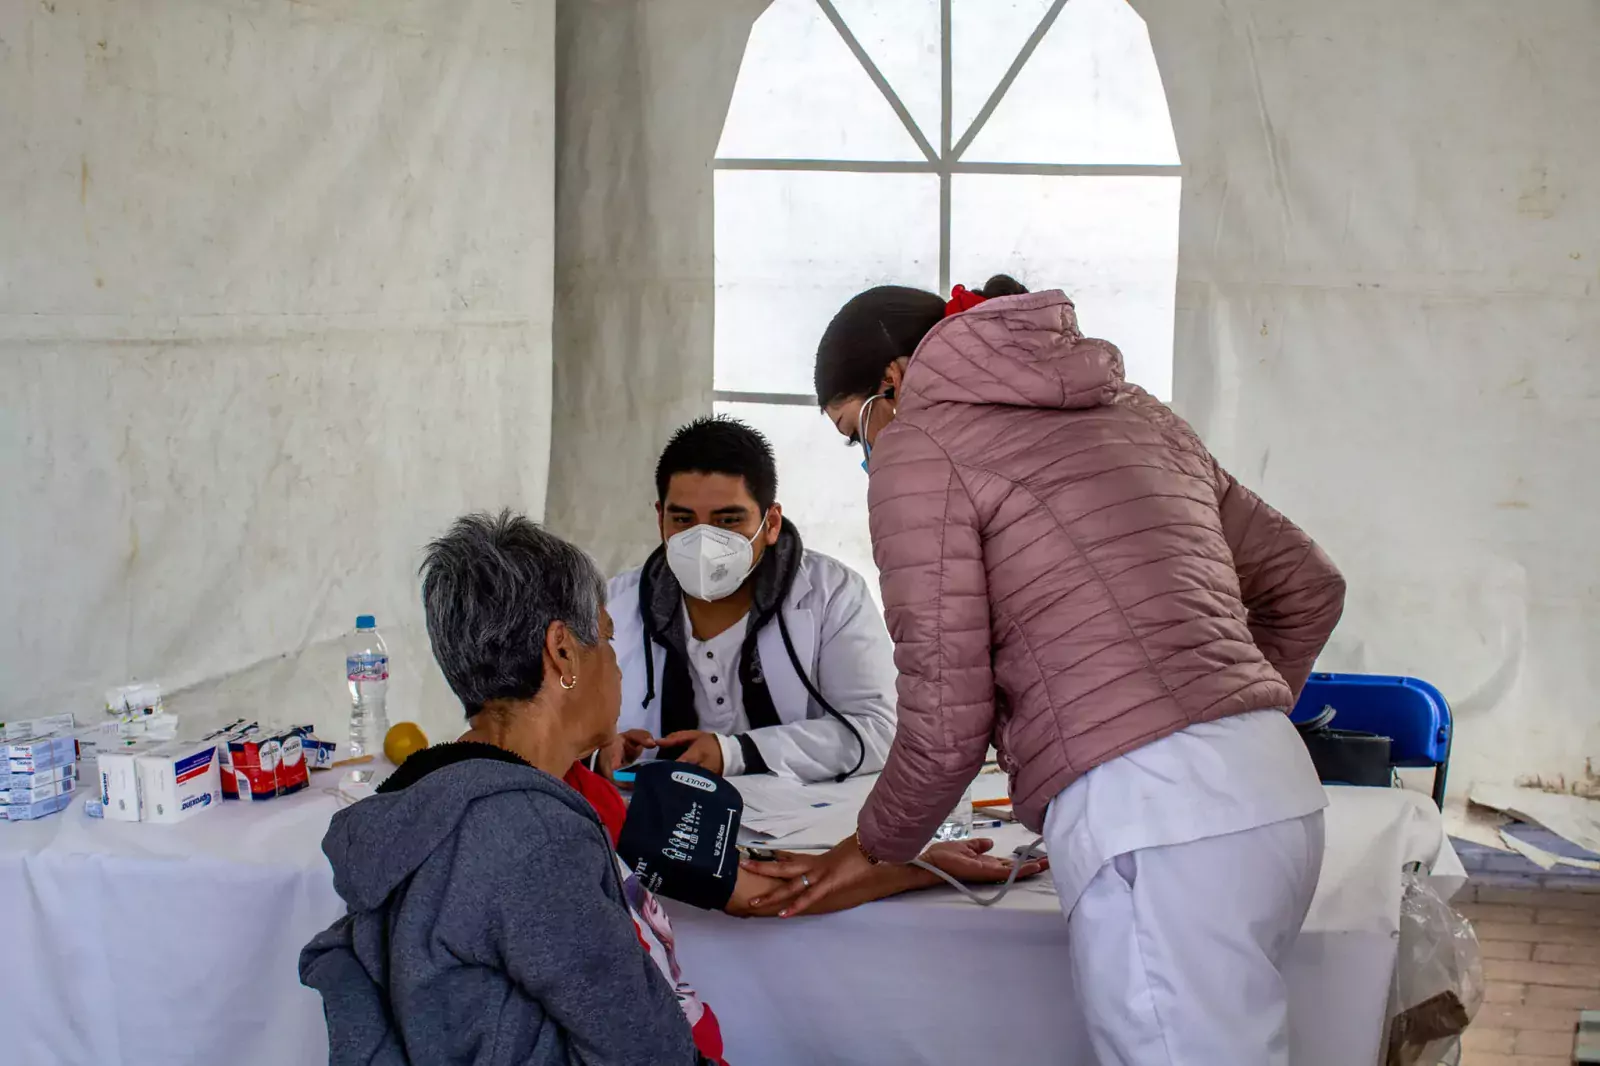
32	756
9	780
36	727
22	795
37	777
178	780
27	812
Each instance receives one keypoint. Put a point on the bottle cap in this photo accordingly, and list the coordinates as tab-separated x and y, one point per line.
366	621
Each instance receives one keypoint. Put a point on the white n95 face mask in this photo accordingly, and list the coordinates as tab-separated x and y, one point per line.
711	563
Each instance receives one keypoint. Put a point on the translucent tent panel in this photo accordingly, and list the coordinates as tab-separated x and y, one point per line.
1055	233
792	247
1090	94
986	36
902	37
820	482
802	94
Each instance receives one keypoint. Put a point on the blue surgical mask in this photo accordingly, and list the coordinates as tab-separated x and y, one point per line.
861	427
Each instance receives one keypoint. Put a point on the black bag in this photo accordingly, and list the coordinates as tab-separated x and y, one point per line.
1347	757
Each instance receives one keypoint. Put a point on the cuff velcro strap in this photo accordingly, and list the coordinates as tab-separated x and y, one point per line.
679	836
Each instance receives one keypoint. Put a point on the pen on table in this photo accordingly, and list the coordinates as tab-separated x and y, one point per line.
987	823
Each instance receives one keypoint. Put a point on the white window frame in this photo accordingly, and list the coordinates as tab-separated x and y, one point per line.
945	161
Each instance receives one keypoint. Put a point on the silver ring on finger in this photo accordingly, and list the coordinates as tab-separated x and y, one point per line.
804	880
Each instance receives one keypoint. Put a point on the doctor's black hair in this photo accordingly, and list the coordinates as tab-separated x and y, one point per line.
716	444
877	327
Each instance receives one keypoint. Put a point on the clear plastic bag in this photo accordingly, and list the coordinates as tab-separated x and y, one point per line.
1438	980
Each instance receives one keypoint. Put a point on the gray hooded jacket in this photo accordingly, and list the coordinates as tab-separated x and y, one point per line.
487	926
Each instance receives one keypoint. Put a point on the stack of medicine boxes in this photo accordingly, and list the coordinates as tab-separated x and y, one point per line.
38	776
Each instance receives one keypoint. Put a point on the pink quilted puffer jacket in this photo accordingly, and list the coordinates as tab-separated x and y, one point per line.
1067	572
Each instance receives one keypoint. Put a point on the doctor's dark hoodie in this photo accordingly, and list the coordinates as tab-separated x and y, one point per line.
487	927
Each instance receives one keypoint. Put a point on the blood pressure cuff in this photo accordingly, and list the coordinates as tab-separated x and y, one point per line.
679	837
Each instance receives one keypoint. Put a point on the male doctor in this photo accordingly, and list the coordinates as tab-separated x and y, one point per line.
740	650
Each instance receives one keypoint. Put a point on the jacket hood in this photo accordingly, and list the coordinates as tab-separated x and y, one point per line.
375	844
1017	351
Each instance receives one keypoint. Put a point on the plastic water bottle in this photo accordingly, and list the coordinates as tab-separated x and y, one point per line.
366	665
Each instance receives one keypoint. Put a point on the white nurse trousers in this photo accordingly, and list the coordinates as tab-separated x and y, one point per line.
1176	951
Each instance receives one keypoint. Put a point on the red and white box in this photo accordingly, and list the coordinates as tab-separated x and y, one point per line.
268	764
252	767
264	763
293	772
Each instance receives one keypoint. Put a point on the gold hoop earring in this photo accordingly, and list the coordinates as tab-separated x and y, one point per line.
570	685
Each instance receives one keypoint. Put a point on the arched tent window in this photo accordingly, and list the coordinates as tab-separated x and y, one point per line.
923	142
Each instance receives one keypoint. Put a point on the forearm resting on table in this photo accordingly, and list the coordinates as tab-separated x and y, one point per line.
888	880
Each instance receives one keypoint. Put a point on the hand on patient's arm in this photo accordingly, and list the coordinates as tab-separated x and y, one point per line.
841	878
758	880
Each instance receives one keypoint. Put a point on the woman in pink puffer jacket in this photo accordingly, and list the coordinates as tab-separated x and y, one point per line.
1070	576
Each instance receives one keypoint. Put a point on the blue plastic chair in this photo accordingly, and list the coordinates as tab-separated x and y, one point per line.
1412	713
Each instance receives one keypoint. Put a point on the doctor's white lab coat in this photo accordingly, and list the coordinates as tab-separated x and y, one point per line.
839	635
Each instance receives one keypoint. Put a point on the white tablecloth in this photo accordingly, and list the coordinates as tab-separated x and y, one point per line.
128	945
932	978
138	945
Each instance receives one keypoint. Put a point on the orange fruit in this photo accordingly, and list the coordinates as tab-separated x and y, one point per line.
403	740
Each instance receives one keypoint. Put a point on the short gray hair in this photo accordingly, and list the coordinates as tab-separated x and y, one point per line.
490	589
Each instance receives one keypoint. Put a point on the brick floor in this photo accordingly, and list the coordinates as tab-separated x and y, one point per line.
1541	949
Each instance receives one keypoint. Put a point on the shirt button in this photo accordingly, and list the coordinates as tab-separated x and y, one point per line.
710	655
720	700
713	679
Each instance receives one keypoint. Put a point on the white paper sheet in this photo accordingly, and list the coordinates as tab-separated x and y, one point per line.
781	807
1569	817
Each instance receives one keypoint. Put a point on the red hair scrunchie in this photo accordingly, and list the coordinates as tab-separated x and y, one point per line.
962	299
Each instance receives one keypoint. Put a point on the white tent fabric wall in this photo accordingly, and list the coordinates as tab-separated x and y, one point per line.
1387	309
1388	313
274	309
642	91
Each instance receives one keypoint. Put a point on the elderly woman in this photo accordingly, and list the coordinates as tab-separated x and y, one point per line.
490	920
487	919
